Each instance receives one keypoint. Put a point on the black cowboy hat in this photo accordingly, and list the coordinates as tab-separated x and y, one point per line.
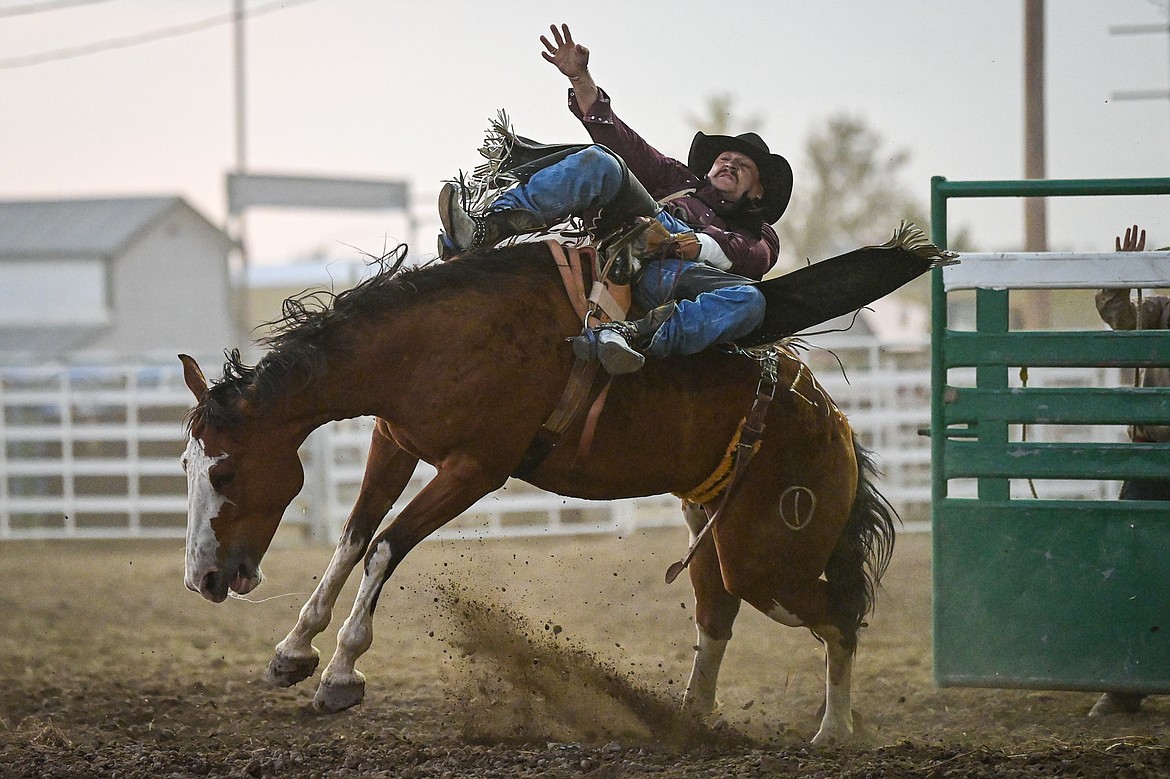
775	172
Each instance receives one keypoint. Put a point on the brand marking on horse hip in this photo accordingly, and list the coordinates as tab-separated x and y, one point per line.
794	512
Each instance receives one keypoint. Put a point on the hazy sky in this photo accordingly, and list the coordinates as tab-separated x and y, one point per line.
404	89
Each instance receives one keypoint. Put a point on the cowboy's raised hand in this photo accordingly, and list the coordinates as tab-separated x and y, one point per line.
1132	242
571	59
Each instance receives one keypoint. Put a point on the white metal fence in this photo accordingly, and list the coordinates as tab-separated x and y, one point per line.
93	452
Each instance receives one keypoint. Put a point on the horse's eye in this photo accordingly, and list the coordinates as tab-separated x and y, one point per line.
221	480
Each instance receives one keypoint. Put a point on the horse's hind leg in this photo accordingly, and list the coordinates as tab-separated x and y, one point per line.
782	577
388	471
715	612
837	721
852	575
809	605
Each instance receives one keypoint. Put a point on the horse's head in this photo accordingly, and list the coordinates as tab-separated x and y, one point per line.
242	473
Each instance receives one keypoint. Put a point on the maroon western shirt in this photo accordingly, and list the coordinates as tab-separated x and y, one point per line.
663	176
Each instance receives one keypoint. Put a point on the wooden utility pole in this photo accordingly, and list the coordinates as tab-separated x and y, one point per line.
1035	209
237	222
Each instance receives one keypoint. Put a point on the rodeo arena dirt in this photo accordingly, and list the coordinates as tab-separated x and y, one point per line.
558	657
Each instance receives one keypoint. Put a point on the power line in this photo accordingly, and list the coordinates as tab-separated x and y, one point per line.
45	5
150	36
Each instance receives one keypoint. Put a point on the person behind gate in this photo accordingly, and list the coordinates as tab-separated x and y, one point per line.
710	239
1121	312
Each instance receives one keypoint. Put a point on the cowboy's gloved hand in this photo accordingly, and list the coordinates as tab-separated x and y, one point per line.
655	242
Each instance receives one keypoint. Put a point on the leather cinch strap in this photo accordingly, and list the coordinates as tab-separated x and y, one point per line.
570	262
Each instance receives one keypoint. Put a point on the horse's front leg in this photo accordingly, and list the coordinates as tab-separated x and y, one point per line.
296	658
388	471
458	484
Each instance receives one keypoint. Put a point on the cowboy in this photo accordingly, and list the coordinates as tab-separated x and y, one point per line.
712	232
1120	311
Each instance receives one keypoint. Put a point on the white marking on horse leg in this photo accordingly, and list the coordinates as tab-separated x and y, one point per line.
203	505
700	693
695	517
340	679
783	615
837	724
317	612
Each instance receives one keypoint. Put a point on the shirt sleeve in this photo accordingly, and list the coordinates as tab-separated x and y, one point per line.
1115	309
749	256
661	175
744	253
1120	312
711	253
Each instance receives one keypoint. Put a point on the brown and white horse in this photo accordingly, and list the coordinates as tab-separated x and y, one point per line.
461	363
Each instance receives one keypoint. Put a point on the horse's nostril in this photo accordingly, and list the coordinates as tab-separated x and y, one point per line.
209	581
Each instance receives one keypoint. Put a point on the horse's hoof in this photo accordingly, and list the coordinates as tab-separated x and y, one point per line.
840	732
701	709
286	671
333	697
825	738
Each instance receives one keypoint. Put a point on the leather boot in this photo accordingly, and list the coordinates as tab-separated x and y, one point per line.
463	231
617	344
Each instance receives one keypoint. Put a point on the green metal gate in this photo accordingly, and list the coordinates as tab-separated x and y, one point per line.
1042	593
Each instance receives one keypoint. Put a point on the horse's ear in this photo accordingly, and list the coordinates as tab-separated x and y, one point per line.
193	376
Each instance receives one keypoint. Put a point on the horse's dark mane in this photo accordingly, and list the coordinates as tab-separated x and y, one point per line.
312	323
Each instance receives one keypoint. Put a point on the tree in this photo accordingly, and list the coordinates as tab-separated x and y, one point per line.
851	194
717	119
848	190
848	194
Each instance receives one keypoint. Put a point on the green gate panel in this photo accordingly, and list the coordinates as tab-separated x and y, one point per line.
1043	594
1052	595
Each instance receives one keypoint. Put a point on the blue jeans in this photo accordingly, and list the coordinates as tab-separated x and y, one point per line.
592	178
713	317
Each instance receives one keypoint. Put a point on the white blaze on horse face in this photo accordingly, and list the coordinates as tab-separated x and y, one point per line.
203	505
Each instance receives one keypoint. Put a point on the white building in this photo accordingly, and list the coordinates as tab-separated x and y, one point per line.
127	278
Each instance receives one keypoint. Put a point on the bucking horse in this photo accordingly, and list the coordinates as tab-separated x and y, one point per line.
463	362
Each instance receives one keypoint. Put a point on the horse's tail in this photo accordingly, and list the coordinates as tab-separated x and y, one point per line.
862	553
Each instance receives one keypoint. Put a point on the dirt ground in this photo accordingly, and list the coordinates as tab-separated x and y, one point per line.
558	657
